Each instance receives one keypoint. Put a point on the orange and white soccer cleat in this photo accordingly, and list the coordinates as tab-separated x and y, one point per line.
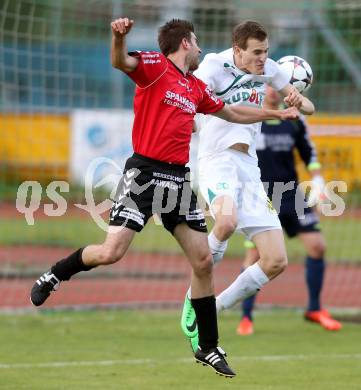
245	327
324	318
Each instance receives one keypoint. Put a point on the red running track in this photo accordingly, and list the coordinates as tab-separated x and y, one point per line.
144	278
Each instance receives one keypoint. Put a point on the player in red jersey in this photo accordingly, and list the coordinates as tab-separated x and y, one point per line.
155	179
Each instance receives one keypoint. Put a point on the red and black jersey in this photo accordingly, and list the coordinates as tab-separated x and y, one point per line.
165	103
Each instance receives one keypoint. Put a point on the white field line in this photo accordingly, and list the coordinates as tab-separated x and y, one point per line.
132	362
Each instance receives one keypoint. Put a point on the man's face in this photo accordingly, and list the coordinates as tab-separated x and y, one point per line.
194	53
253	58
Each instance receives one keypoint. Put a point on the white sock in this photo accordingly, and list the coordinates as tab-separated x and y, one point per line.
217	247
246	284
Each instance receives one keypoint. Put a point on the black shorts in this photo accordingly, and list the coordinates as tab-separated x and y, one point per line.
150	187
294	224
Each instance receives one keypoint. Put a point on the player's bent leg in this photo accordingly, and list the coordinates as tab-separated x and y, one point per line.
111	250
270	245
84	259
224	211
225	214
272	252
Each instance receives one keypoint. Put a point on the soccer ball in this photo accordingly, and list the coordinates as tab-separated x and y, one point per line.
298	70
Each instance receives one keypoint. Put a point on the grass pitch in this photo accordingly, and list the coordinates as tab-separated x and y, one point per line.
146	350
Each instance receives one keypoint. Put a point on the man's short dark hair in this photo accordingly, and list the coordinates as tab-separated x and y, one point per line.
171	34
245	30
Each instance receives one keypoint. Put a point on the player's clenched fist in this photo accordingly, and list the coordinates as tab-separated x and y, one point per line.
121	26
294	99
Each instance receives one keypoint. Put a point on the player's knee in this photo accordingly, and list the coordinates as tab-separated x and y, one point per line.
275	263
317	250
226	227
279	262
204	265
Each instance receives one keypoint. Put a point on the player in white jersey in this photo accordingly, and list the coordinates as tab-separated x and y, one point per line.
229	177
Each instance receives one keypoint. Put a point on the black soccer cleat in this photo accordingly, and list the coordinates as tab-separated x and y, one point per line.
42	288
215	358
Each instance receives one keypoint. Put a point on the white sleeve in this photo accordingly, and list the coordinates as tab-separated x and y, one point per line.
280	78
200	120
207	71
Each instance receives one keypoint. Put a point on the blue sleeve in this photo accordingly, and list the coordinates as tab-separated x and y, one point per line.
304	145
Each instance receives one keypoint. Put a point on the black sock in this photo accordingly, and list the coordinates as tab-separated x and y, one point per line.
71	265
206	314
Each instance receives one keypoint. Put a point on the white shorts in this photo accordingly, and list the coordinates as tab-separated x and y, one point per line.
237	175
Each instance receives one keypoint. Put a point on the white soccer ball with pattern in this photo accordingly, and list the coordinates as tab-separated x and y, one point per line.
298	70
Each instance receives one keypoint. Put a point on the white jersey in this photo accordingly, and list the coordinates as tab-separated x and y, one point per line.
233	86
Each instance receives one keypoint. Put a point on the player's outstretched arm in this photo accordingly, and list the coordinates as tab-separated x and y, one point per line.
294	99
246	115
119	53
